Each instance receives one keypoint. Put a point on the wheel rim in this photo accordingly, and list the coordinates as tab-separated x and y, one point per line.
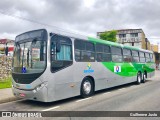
144	77
139	78
87	87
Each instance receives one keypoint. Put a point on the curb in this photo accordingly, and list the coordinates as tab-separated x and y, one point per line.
5	100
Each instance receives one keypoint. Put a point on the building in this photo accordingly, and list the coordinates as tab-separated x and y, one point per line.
146	44
132	37
6	42
155	48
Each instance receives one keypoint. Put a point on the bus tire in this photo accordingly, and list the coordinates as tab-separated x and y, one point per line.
87	88
144	77
139	78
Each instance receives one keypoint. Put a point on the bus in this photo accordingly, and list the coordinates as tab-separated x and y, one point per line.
51	66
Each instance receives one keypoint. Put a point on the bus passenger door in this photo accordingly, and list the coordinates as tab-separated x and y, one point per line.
61	66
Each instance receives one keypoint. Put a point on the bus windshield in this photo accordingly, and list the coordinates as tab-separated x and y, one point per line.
29	57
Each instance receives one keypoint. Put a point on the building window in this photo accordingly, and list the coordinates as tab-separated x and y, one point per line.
138	45
122	35
84	51
116	54
134	34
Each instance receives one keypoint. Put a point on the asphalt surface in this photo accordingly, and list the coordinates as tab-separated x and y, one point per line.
130	97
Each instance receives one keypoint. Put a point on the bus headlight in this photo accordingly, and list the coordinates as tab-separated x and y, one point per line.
44	84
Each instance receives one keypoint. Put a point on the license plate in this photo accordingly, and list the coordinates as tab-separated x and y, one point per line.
22	95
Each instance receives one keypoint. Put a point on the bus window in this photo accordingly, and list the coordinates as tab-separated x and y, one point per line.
103	53
84	51
90	47
127	55
142	57
116	54
79	45
147	57
135	56
99	48
63	58
107	49
151	57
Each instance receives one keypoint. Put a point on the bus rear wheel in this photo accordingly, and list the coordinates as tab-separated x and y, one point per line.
144	77
139	78
87	88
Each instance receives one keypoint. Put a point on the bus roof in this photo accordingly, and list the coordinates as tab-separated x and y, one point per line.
97	40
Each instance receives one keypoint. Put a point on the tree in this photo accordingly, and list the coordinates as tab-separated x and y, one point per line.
109	35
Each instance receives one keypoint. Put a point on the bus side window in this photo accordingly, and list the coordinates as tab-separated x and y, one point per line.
151	57
127	57
63	58
142	57
135	56
147	57
103	53
84	51
116	54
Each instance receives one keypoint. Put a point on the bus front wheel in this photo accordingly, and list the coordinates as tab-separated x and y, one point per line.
87	88
139	78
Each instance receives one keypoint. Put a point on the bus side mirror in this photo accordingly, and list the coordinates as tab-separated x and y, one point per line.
57	43
6	51
58	46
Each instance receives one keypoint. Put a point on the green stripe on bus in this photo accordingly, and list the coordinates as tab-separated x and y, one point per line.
127	69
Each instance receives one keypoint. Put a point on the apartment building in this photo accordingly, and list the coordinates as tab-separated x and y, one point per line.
132	37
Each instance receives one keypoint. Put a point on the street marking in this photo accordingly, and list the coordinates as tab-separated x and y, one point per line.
51	108
106	93
83	99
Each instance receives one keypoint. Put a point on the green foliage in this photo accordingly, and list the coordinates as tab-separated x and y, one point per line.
109	35
6	83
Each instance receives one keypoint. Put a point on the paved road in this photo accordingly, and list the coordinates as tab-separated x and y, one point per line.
131	97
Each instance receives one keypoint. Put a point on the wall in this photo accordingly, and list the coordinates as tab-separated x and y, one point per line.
5	67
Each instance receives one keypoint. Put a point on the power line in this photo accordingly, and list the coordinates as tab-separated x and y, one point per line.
40	23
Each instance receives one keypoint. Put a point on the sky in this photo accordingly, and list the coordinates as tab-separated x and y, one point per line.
85	17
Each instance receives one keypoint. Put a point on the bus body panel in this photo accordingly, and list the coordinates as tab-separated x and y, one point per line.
152	74
63	82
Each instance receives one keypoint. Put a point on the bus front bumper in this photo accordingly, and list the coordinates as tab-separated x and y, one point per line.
37	95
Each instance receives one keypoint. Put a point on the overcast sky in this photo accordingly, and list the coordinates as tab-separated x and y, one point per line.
83	16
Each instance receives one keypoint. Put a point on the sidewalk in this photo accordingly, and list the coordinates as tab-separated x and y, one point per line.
7	95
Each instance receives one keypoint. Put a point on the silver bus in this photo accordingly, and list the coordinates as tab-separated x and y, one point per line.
50	66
